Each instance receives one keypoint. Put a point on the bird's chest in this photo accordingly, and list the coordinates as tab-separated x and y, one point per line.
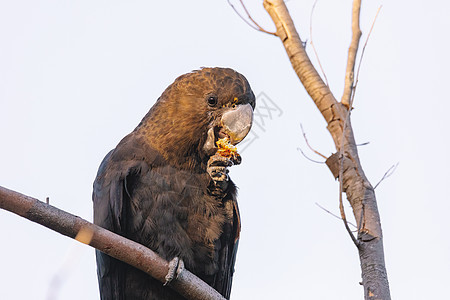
173	213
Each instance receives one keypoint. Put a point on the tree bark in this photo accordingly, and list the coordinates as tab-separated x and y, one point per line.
132	253
346	165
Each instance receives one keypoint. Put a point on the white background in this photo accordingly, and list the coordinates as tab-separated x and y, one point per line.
77	76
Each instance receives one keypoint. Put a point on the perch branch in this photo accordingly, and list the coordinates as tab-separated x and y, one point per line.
132	253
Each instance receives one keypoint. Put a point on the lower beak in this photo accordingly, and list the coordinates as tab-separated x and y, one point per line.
237	122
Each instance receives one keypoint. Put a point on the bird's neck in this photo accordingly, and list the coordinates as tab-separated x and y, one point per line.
175	150
176	133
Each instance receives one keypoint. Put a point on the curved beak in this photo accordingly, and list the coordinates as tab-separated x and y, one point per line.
237	122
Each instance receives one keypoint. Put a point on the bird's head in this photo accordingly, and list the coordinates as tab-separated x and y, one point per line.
196	110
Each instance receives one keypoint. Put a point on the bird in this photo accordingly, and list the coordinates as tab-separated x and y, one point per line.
166	186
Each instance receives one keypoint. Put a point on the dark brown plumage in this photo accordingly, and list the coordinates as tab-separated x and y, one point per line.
165	187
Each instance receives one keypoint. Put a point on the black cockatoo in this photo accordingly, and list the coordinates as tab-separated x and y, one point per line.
166	187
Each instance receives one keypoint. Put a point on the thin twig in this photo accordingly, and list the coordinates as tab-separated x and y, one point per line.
243	19
363	144
364	49
388	173
336	216
312	44
314	161
254	22
255	25
343	217
307	143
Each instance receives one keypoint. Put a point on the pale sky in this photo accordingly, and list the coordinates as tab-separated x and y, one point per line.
77	76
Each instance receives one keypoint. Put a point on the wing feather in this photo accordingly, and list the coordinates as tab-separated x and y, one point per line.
110	197
229	244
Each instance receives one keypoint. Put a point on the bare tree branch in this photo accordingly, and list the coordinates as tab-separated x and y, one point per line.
352	52
388	173
337	217
308	158
347	101
308	75
345	164
255	25
132	253
307	143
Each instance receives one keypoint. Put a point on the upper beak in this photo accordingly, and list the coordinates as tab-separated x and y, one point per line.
237	122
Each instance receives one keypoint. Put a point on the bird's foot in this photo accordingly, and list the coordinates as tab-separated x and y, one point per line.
218	173
176	265
218	167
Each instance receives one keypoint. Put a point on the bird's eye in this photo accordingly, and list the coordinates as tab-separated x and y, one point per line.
212	101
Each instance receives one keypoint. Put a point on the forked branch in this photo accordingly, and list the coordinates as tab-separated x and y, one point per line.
345	164
252	23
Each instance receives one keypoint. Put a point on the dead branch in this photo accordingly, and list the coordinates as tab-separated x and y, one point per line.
308	158
352	52
388	173
337	217
132	253
307	143
254	24
345	164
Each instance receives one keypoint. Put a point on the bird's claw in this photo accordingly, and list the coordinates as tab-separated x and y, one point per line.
218	173
219	160
218	167
176	265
